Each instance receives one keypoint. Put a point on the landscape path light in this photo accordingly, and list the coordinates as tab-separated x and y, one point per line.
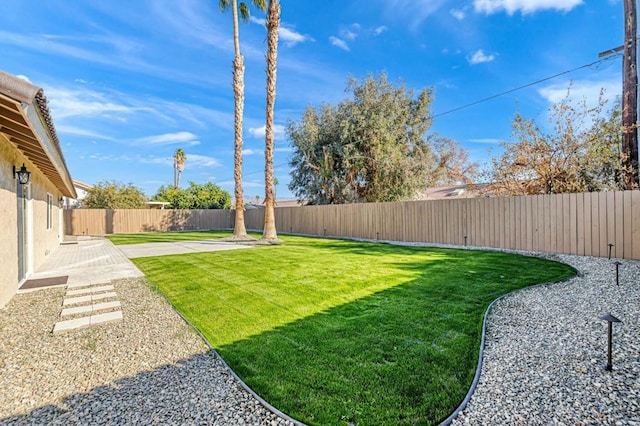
610	319
617	271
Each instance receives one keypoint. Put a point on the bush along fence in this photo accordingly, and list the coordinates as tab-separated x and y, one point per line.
593	224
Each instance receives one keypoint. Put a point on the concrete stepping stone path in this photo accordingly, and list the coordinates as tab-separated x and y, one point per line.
87	305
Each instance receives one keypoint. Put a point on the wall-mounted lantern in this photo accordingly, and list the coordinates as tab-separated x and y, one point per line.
23	174
61	202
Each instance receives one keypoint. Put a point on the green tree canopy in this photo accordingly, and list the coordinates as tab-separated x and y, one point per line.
114	195
371	147
207	196
581	152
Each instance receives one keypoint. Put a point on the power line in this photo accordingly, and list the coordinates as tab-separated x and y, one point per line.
262	171
599	61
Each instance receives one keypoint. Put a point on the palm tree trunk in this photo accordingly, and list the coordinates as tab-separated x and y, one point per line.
239	229
175	173
273	24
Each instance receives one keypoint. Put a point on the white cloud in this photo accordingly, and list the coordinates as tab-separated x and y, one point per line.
66	103
195	160
457	13
250	151
411	12
72	130
339	43
582	89
479	57
182	138
287	35
523	6
379	30
490	141
291	37
278	132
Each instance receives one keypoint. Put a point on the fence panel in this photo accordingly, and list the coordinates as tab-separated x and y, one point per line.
583	224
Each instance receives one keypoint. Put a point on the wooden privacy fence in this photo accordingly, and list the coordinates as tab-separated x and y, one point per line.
124	221
583	224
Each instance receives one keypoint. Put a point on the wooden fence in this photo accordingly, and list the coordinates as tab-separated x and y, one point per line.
583	224
124	221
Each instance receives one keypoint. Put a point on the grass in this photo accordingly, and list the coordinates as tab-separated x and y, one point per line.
162	237
337	332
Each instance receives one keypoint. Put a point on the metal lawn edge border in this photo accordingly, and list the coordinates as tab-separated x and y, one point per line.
246	387
476	377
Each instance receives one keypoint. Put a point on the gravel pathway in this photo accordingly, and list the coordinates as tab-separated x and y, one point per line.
149	368
546	352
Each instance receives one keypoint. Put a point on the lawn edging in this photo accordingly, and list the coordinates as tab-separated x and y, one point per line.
246	387
476	378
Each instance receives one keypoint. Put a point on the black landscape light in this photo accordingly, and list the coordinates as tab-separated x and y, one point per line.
465	240
617	271
610	319
23	174
610	247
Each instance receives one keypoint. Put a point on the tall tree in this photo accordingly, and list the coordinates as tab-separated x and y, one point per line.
114	195
582	152
372	147
239	229
207	196
269	233
179	158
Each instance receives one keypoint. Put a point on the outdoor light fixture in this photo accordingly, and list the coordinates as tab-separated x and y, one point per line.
61	202
617	271
610	247
465	240
23	174
610	319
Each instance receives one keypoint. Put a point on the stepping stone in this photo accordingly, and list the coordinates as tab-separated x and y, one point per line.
90	308
89	298
87	321
95	289
77	286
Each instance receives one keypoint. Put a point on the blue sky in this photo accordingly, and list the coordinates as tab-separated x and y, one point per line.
129	82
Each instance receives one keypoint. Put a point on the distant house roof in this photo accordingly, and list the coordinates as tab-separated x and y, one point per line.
454	191
82	185
158	204
26	122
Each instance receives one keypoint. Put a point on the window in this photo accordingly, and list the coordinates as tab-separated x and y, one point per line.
49	211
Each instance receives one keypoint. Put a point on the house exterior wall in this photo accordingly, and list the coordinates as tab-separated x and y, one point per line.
40	240
8	224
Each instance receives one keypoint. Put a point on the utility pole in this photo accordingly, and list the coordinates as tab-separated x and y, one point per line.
630	96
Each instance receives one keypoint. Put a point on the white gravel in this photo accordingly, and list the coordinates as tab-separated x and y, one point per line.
149	368
544	360
546	351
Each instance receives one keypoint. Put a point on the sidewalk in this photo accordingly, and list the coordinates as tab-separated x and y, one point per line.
87	262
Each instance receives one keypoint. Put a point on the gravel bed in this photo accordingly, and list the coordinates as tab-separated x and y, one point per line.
544	360
149	368
546	351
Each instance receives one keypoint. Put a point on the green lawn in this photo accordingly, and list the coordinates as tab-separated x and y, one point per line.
334	332
162	237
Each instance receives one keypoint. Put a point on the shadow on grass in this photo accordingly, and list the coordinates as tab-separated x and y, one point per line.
404	355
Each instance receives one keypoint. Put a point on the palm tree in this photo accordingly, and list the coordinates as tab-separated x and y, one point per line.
239	230
269	233
179	158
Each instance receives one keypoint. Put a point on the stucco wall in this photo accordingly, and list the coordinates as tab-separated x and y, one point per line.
8	225
41	241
